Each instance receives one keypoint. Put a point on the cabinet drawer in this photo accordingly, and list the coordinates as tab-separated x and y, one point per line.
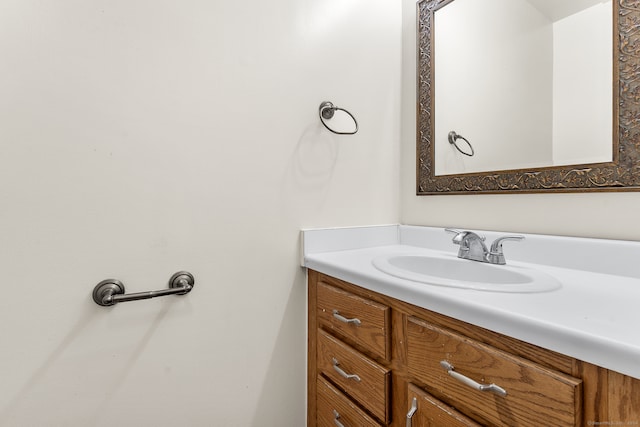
427	411
360	377
364	321
333	405
535	395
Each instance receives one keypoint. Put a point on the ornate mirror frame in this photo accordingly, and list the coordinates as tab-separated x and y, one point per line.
622	174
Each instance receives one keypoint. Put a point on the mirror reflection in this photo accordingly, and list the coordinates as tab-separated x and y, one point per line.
528	83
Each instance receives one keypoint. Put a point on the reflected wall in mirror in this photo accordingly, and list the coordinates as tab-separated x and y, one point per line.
498	80
533	89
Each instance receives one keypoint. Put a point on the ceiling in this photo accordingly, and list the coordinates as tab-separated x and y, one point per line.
558	9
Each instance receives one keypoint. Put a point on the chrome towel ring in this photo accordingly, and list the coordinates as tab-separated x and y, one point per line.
326	112
453	137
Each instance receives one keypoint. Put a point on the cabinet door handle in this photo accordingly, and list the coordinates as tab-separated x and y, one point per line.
343	374
414	408
336	417
471	383
341	318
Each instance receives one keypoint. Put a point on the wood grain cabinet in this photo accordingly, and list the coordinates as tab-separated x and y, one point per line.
360	377
493	386
336	409
377	361
424	410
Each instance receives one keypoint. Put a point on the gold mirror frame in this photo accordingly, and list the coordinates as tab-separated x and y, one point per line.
621	174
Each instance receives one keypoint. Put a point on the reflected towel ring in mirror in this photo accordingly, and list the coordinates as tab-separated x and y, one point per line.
453	137
326	112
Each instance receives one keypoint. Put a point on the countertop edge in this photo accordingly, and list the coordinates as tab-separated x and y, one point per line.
613	355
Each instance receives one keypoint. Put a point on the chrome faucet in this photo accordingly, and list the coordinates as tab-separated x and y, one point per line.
472	247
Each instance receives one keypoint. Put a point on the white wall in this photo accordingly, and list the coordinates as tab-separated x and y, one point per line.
510	59
606	215
582	125
140	138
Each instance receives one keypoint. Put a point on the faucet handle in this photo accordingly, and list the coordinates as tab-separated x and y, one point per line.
496	255
459	234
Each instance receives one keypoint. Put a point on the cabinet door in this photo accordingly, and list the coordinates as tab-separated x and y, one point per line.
364	321
489	384
366	381
335	409
425	410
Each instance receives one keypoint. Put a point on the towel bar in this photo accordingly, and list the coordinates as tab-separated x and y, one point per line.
111	291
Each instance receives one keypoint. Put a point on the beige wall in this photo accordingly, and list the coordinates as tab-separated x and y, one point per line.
604	215
139	138
582	86
520	74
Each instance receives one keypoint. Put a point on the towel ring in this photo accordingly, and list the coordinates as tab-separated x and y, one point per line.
453	137
326	112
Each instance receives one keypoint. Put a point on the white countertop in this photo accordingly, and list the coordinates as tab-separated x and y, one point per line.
592	317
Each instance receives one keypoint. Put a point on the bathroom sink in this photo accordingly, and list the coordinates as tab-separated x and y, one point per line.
461	273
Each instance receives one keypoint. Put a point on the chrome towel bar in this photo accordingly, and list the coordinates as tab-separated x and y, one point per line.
111	291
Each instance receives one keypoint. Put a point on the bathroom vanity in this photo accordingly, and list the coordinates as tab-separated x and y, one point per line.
384	350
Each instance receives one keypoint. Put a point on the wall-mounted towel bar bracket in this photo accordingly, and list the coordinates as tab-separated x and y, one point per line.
111	291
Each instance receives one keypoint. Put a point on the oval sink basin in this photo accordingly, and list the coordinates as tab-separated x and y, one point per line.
462	273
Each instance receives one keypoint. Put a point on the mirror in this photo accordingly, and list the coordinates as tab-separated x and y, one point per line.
496	81
531	90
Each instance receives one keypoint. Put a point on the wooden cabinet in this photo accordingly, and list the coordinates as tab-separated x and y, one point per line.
424	410
361	320
515	391
334	408
359	376
373	360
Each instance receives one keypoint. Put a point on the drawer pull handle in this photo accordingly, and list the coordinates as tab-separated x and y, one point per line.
341	318
471	383
336	417
412	411
343	374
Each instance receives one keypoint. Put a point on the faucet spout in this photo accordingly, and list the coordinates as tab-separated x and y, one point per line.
471	245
